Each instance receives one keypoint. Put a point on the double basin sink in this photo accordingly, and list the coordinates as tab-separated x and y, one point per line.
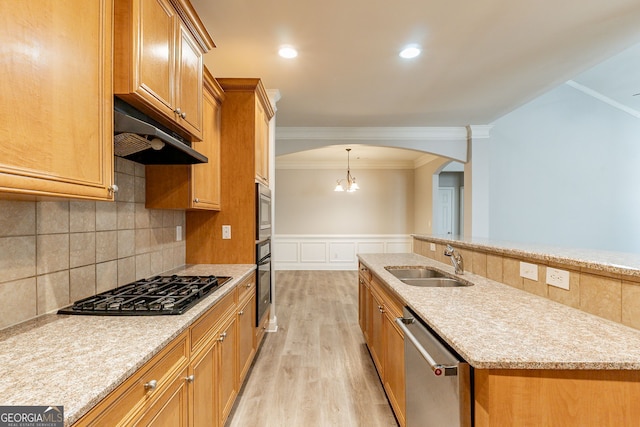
425	277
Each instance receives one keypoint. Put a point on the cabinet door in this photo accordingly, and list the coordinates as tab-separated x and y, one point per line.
154	73
364	307
203	406
227	377
206	177
170	408
189	83
56	119
262	143
394	374
377	337
246	336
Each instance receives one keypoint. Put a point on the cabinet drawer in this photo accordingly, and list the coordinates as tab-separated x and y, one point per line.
392	303
201	330
247	287
364	272
128	399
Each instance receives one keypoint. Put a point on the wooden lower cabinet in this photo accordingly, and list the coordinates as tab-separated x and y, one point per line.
378	309
512	397
227	375
246	334
202	393
170	408
194	380
394	376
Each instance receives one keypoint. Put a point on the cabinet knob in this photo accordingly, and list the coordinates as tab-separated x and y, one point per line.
177	111
190	378
183	115
222	336
241	313
113	189
249	284
151	385
196	200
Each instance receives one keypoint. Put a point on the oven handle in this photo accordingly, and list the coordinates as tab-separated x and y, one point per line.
438	369
265	260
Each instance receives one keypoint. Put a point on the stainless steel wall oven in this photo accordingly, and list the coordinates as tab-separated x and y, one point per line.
263	278
263	212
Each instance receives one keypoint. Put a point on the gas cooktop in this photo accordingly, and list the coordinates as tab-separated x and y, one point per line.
148	297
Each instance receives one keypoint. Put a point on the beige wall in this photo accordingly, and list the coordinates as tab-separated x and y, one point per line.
54	253
305	202
423	195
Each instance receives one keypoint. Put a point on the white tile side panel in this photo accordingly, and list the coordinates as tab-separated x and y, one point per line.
332	252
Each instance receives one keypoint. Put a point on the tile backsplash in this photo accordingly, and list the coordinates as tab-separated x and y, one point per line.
55	252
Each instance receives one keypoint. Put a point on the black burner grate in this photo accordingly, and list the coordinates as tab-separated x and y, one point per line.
147	297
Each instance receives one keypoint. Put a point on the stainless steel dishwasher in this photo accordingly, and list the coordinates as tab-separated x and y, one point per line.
438	383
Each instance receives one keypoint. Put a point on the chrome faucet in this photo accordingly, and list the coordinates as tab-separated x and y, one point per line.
456	259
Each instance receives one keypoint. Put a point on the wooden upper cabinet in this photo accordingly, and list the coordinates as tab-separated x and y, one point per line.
56	107
158	61
262	143
253	112
192	186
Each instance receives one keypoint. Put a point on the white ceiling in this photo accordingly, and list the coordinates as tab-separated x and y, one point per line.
481	58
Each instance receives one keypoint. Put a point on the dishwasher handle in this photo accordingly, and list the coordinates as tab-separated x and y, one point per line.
437	368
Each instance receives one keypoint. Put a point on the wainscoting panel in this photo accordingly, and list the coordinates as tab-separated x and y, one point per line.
332	252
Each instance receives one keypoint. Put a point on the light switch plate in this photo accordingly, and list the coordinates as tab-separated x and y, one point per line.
178	233
226	232
558	278
529	271
432	246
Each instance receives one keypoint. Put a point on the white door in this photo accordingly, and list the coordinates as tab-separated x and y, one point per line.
445	208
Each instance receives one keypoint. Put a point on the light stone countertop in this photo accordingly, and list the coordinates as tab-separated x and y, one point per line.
495	326
598	260
76	360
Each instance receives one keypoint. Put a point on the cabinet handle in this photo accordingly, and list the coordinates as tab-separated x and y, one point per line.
381	308
190	378
151	385
222	336
183	115
241	313
196	200
249	284
177	111
113	189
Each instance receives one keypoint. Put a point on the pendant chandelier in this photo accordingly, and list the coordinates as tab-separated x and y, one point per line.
350	181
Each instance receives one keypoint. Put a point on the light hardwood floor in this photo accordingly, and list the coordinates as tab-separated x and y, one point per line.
316	370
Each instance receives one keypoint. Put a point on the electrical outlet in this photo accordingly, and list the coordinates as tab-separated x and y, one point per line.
432	246
558	278
226	232
178	233
529	271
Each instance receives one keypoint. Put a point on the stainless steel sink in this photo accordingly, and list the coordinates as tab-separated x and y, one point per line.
435	282
414	272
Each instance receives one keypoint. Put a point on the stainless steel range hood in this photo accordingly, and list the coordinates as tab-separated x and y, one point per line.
138	138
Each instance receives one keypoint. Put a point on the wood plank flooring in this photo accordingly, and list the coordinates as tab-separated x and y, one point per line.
316	370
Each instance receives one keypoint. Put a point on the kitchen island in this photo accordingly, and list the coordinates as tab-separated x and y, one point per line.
76	361
534	359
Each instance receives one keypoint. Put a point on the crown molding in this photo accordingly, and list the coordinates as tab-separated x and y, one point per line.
479	131
371	133
600	97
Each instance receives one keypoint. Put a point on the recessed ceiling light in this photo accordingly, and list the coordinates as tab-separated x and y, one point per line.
287	52
410	52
